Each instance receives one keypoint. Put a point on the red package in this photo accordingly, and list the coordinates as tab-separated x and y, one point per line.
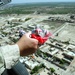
41	35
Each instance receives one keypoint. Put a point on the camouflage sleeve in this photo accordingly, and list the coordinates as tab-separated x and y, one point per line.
11	55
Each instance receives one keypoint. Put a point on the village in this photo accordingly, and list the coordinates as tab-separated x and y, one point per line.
57	55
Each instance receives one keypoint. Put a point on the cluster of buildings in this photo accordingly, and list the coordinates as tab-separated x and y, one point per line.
55	53
59	53
62	19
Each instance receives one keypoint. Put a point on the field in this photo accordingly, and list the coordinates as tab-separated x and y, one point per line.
47	8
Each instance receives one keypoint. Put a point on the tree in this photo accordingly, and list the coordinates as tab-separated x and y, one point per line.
27	19
35	69
52	70
72	16
62	61
38	52
42	66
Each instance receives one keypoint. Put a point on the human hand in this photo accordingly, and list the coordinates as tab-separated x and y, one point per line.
27	45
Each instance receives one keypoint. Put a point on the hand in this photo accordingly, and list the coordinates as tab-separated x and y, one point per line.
27	45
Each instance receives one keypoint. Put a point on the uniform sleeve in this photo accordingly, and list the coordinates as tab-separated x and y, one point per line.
11	55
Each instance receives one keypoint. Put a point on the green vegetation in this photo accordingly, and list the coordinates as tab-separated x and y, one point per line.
45	55
5	33
37	68
38	52
61	11
15	11
52	70
27	19
14	40
72	16
53	8
66	42
62	61
42	66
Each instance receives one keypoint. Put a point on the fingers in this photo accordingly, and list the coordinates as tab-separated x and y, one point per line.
27	45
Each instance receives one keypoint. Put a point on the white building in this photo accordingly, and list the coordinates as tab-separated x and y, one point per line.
31	64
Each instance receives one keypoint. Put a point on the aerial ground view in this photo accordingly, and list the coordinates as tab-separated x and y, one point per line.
57	55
